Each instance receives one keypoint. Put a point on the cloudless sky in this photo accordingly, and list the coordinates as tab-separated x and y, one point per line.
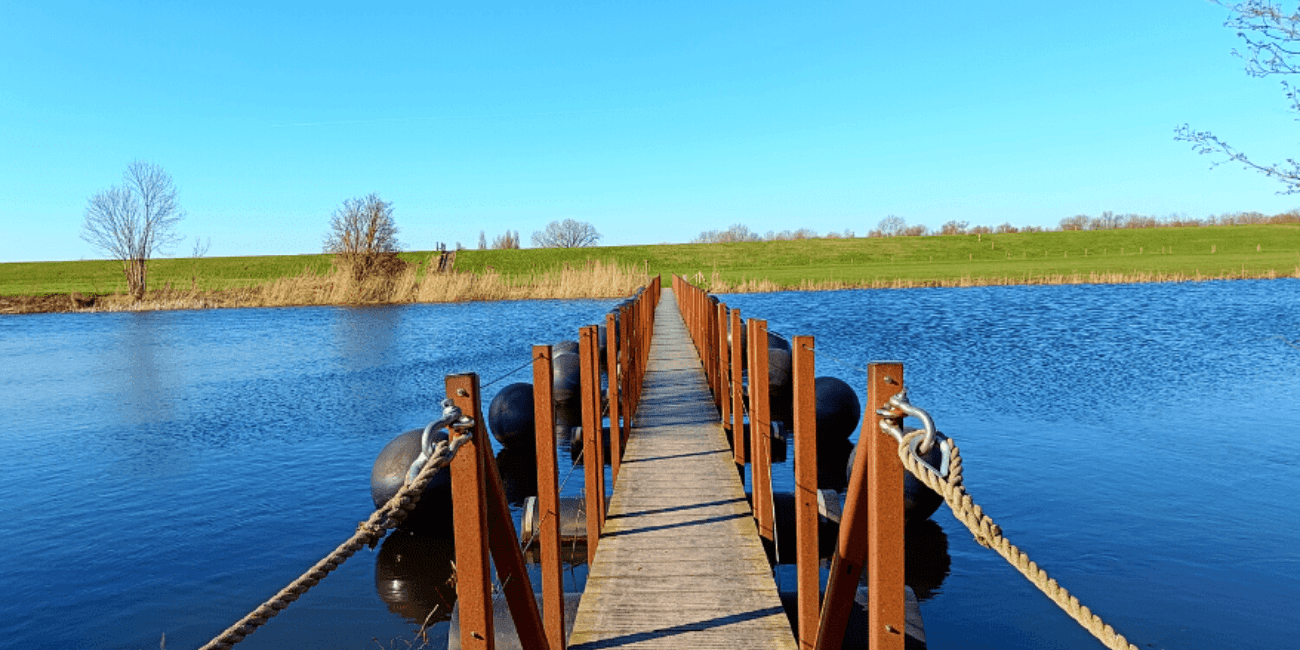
652	121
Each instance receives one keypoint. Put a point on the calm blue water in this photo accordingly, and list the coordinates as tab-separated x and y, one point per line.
164	472
1136	440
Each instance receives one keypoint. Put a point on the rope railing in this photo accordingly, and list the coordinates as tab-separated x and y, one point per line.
368	533
986	532
629	366
709	321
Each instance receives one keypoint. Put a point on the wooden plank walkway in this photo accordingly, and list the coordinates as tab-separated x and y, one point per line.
679	564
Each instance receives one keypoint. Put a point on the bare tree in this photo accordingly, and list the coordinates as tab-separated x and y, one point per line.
1272	48
363	235
736	233
482	240
1077	222
200	247
508	241
892	226
954	227
132	222
566	234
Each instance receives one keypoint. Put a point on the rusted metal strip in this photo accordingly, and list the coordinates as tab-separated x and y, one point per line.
883	381
805	488
626	379
884	512
592	463
470	524
724	374
738	389
548	497
720	357
612	395
760	426
508	558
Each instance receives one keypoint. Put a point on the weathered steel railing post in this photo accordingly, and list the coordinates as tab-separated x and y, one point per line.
871	524
470	524
548	497
885	547
593	460
724	375
612	395
760	426
502	543
805	488
627	376
738	391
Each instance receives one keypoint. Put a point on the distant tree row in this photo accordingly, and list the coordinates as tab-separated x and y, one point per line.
507	241
741	233
895	226
1111	221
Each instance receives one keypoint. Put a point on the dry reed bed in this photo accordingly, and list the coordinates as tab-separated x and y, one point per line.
340	287
593	280
717	284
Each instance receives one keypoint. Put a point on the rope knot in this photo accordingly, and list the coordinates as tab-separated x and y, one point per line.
371	533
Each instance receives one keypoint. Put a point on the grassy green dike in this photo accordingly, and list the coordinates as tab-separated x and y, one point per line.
1019	258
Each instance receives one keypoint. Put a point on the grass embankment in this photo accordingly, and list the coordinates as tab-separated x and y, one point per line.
1075	257
1107	256
315	283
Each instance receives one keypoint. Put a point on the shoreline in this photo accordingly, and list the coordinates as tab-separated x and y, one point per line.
491	287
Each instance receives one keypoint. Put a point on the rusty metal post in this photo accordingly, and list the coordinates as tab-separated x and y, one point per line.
612	395
760	427
738	390
548	497
724	374
508	558
627	378
805	488
884	512
720	358
470	524
711	318
857	536
592	459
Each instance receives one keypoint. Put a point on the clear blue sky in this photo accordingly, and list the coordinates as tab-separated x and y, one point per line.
652	121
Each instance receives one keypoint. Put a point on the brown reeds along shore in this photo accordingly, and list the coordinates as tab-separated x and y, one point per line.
717	284
589	279
341	287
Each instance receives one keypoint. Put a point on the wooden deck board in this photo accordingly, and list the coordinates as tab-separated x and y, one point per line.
679	564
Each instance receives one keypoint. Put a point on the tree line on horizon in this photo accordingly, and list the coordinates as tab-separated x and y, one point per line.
895	226
134	221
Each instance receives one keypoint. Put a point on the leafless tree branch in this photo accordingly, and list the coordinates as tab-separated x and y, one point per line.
566	234
1272	38
133	222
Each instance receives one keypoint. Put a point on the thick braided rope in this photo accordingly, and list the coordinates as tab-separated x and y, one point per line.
989	535
369	532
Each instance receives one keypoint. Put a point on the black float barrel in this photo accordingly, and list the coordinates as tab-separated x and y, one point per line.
433	513
511	417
